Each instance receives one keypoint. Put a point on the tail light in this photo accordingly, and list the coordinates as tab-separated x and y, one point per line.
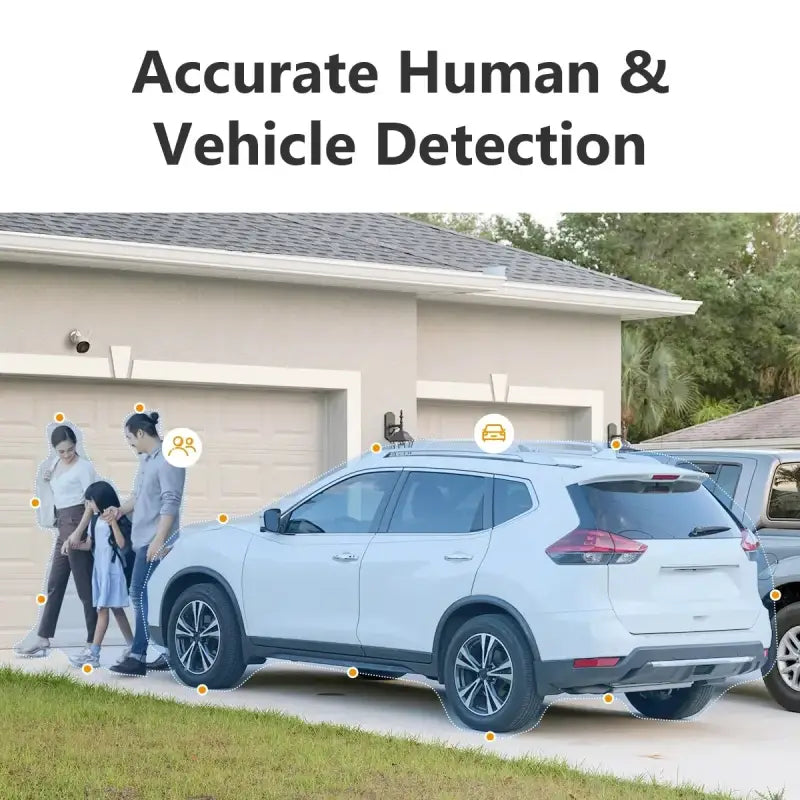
595	547
750	544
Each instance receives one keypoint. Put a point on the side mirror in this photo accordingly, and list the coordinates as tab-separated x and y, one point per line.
272	521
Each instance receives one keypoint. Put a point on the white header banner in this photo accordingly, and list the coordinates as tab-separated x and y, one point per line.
421	106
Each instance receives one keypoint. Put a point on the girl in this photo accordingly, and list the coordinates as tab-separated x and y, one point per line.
61	485
109	538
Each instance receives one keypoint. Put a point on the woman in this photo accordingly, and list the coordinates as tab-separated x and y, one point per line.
63	482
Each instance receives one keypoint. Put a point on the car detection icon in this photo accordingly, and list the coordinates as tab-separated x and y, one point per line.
494	433
182	447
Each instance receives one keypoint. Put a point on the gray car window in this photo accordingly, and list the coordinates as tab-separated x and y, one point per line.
723	480
784	495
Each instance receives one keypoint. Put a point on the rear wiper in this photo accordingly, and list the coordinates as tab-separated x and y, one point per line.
708	530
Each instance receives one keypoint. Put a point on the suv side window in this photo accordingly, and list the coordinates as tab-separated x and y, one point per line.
353	505
784	494
723	480
440	502
512	498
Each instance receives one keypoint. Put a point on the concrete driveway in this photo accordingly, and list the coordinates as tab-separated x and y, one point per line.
744	743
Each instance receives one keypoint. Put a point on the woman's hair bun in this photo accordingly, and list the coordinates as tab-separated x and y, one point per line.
154	417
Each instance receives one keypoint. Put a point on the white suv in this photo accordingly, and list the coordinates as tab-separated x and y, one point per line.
507	578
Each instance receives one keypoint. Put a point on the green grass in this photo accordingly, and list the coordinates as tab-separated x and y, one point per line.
59	739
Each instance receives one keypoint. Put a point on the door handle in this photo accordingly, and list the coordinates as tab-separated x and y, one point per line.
345	557
458	557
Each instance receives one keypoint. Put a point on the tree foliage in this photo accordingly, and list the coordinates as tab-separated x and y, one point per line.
743	345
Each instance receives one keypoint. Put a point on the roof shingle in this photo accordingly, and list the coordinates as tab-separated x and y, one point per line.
375	238
777	420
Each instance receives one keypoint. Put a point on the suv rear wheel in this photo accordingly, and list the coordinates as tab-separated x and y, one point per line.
489	676
783	680
204	639
672	703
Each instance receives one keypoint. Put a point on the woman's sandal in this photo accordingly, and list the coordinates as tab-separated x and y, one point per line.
35	650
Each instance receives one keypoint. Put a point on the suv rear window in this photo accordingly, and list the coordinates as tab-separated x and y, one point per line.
650	510
784	496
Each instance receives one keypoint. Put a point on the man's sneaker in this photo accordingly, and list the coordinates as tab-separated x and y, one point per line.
38	648
159	663
130	666
86	657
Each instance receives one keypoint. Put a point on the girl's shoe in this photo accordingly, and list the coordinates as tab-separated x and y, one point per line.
38	648
86	656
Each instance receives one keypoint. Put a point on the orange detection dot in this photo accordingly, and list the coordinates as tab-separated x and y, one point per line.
35	502
352	672
87	669
138	408
41	599
489	736
223	518
775	595
608	698
58	416
616	444
376	448
202	689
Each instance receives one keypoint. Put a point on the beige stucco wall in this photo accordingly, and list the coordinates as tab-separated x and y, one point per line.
533	347
389	337
220	321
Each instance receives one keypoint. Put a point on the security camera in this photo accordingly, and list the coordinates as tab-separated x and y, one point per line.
81	345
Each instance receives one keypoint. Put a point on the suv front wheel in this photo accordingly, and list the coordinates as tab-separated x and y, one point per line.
204	639
489	676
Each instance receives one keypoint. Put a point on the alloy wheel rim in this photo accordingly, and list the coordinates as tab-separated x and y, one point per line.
484	674
197	637
788	658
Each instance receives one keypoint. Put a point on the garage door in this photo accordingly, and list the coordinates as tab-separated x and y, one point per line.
257	445
448	420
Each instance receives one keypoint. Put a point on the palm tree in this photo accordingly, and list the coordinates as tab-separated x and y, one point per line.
653	388
783	377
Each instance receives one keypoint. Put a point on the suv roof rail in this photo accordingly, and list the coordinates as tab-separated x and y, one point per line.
442	453
565	446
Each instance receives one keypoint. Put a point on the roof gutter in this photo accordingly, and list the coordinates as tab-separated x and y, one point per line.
782	443
434	283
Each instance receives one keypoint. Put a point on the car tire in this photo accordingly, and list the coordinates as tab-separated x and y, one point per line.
210	604
672	703
788	624
521	706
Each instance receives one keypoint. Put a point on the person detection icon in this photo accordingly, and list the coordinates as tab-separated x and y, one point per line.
182	447
178	443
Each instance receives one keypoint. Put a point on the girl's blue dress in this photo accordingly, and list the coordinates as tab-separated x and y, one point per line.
109	589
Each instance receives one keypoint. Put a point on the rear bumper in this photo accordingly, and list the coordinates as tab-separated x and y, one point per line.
649	667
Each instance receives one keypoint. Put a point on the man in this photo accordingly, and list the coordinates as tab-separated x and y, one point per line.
155	504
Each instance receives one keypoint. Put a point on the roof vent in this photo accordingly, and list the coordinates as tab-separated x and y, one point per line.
498	270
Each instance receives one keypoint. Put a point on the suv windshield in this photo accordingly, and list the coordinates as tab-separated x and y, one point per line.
784	495
652	510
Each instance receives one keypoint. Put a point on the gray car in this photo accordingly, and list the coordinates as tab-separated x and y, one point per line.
762	488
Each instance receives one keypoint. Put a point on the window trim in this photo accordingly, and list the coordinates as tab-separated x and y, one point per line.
531	492
286	515
388	512
791	522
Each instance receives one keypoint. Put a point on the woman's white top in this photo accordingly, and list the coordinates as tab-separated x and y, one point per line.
68	485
